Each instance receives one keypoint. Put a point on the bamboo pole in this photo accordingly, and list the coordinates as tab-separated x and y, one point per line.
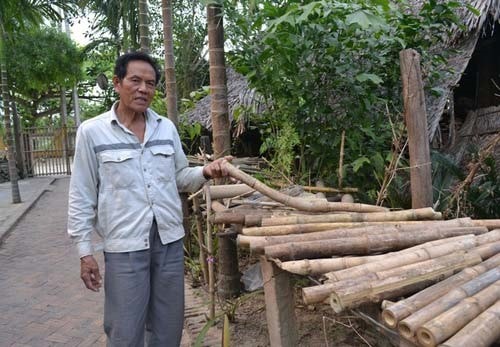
482	331
449	322
363	284
201	245
210	258
298	203
491	224
405	215
277	230
330	190
403	258
412	277
404	308
229	191
363	245
324	266
258	243
409	326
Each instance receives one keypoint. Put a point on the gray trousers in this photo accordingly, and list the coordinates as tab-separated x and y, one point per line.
145	289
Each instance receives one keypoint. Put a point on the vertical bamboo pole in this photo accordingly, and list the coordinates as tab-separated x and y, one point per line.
210	249
416	122
201	244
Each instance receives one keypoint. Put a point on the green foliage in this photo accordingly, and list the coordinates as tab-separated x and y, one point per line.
281	142
483	196
41	61
332	66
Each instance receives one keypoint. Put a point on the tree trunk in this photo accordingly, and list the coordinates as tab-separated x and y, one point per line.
168	42
16	195
143	25
17	142
218	87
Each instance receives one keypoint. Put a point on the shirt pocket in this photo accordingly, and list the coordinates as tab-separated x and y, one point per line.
163	163
119	169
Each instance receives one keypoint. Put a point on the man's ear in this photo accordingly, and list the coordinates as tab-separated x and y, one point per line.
116	83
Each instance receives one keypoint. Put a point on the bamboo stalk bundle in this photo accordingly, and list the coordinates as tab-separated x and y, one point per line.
258	243
411	278
403	258
298	203
363	283
392	315
408	326
280	230
363	245
449	322
229	191
325	265
482	331
432	249
406	215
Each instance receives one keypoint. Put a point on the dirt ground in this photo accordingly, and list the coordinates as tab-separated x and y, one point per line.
317	325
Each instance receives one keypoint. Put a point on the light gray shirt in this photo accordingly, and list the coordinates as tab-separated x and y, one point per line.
118	184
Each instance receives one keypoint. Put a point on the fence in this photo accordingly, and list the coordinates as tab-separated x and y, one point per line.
48	150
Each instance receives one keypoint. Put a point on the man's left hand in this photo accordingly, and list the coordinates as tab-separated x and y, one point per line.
217	168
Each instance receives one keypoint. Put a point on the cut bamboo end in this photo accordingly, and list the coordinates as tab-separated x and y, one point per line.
389	319
482	331
404	308
440	328
336	303
409	326
426	338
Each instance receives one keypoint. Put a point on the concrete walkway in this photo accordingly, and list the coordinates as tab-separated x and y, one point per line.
43	301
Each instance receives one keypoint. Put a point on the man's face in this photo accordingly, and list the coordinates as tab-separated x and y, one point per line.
137	88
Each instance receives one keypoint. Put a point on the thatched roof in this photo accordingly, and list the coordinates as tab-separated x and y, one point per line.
478	129
461	43
238	94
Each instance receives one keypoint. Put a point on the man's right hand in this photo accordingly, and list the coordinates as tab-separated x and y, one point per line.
89	273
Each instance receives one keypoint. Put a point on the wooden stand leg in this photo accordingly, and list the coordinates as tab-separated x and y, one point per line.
280	305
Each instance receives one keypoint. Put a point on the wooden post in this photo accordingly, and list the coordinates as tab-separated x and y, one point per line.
416	122
280	305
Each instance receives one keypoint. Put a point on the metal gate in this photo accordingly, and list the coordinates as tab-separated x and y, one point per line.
48	150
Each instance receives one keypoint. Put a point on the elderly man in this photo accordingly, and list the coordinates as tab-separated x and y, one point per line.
128	168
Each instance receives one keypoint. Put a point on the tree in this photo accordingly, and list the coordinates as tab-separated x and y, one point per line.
42	60
15	16
168	39
144	26
218	86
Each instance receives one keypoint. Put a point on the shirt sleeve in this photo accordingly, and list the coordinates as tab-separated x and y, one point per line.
188	179
83	192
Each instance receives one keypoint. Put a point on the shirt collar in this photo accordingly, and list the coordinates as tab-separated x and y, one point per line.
151	117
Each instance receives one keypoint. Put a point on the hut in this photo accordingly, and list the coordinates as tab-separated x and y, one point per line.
468	110
243	102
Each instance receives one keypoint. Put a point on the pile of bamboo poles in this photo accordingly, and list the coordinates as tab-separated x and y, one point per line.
367	254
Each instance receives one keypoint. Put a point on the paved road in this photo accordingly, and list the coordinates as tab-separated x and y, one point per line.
43	302
42	299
